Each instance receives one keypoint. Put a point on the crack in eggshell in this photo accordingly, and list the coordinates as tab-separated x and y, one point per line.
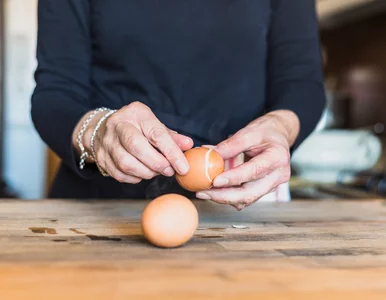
207	156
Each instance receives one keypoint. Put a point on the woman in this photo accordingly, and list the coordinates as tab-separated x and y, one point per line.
245	76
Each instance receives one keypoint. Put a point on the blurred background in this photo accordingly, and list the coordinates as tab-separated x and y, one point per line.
343	158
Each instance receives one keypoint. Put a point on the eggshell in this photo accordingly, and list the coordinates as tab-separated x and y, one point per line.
169	221
205	165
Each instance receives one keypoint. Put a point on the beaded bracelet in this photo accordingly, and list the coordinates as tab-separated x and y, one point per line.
84	154
93	137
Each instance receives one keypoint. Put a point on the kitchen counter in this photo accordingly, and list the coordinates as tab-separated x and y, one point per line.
53	249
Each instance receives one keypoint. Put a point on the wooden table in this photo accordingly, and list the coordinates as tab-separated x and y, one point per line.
94	250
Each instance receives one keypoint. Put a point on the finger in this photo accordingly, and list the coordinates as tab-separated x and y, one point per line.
246	194
111	168
129	165
138	146
256	168
185	143
246	172
159	137
238	143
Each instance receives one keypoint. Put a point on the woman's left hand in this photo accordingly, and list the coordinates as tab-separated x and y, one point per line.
266	142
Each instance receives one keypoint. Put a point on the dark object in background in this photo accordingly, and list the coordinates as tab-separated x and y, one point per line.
381	187
363	97
5	191
340	109
373	182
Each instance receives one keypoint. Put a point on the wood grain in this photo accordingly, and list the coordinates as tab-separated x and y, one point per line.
55	249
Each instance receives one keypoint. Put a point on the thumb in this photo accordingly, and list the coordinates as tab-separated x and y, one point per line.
231	147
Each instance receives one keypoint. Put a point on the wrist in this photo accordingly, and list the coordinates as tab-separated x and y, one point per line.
287	122
89	132
76	131
81	134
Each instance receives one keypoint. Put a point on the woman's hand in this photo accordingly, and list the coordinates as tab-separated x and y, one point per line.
132	145
266	142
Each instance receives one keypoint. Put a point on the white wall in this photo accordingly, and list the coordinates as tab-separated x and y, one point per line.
24	152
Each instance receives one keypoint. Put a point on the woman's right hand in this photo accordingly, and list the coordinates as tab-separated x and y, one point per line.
132	145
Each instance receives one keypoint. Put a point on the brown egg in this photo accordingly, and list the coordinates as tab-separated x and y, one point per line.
205	165
169	221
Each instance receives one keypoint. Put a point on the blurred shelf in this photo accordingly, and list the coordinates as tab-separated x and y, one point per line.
302	189
333	13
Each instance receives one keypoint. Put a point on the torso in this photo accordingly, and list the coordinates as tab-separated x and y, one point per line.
199	64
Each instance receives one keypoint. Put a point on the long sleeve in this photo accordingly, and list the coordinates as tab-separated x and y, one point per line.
62	92
295	74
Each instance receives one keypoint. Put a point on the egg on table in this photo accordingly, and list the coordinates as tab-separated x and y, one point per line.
205	164
169	221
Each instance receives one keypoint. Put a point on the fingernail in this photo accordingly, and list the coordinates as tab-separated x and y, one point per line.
220	181
168	171
203	196
187	140
182	167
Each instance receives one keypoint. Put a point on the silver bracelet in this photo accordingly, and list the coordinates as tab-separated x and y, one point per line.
93	137
84	154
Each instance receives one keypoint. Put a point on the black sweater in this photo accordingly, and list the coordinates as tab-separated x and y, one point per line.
205	67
